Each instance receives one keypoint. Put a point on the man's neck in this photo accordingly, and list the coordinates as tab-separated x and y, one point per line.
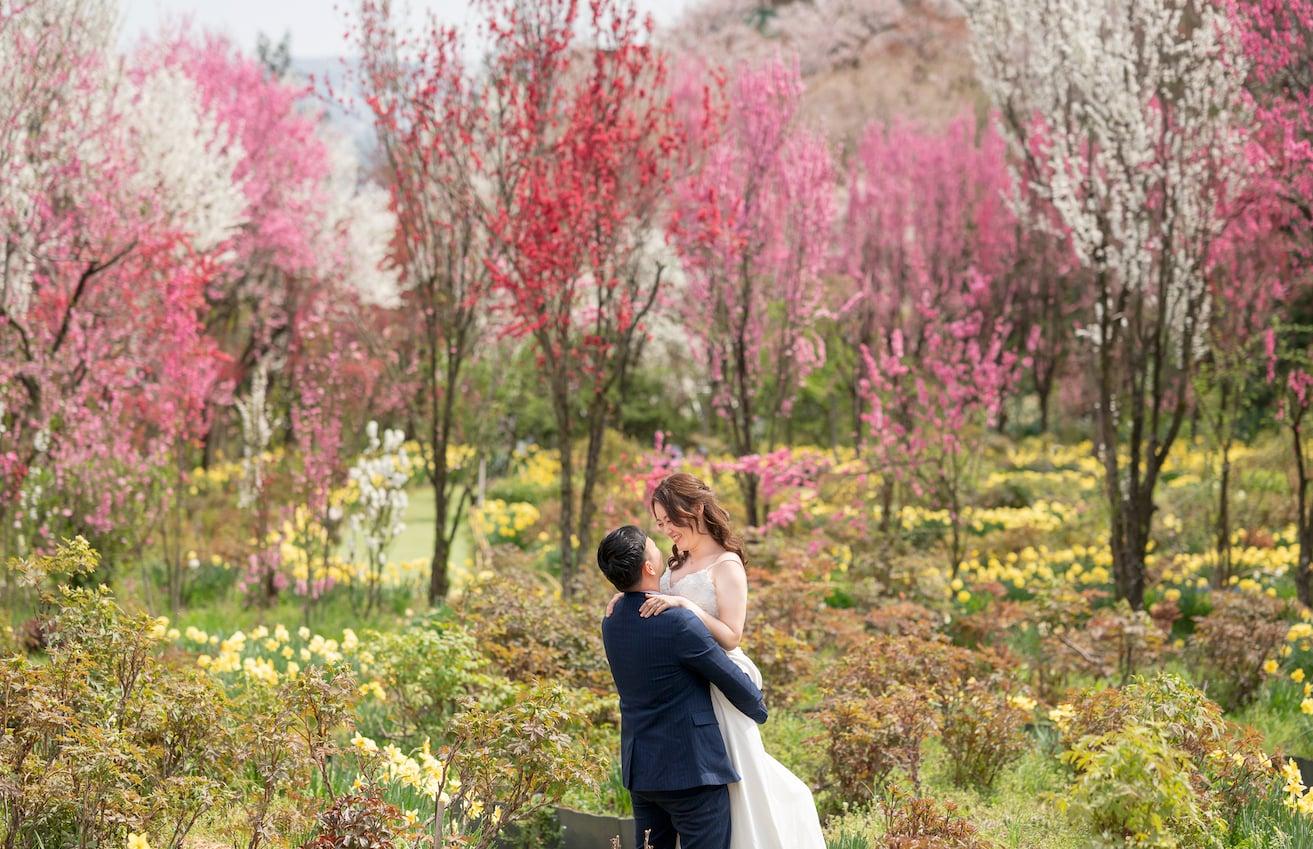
646	585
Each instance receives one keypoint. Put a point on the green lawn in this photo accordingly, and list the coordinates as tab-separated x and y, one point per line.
229	612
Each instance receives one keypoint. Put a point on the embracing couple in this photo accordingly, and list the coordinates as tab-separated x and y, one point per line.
690	699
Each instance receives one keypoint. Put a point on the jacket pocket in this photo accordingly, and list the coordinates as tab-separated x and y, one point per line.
704	717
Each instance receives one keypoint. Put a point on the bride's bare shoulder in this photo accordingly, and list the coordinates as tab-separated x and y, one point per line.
729	565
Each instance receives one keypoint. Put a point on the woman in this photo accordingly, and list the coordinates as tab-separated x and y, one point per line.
770	807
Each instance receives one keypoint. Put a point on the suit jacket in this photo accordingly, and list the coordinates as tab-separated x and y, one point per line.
662	666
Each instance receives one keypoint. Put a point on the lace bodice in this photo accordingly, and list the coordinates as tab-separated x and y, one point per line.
697	587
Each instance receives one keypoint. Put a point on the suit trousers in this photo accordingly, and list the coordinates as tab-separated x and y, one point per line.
698	817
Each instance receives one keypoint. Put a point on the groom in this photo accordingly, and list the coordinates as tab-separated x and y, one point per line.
672	755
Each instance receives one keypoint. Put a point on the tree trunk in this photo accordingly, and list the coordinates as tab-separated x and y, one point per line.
565	527
886	504
1224	518
751	508
1303	574
1130	540
439	579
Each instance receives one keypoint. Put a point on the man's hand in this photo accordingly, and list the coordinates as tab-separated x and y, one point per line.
657	604
610	605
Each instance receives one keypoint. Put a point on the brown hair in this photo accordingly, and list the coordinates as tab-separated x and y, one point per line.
685	499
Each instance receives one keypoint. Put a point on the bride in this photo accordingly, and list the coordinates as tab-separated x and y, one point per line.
770	808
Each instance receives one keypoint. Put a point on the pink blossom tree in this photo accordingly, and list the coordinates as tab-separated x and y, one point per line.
1249	278
752	227
929	243
116	216
310	220
1276	37
1277	41
924	404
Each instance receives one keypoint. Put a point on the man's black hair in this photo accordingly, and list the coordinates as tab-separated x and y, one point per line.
621	555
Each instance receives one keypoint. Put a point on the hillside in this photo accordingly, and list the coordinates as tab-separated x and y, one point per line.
863	60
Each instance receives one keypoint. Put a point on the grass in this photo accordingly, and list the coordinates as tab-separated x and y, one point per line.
227	611
1276	715
1017	813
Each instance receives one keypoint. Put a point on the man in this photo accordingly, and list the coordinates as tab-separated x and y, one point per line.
672	755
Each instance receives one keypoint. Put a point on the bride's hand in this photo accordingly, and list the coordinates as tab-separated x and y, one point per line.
657	603
610	605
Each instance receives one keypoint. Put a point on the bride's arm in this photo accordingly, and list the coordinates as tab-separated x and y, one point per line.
731	597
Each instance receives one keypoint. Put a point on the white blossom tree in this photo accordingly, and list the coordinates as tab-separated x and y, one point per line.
1129	116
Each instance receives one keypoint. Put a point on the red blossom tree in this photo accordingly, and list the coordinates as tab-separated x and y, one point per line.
752	227
582	154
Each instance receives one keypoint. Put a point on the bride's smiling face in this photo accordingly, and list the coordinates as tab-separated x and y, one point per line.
678	535
684	536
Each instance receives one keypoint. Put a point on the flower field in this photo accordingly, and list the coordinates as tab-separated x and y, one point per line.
988	322
1008	702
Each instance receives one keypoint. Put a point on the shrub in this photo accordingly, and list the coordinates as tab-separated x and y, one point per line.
1233	641
502	765
530	632
983	730
287	737
358	821
1226	766
904	619
872	736
425	670
106	737
933	665
785	662
1133	788
884	697
920	823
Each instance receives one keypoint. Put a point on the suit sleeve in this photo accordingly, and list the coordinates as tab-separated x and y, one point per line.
700	653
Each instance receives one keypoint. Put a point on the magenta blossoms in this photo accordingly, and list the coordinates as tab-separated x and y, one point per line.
752	226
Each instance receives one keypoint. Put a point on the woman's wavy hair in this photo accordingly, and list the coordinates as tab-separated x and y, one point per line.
686	499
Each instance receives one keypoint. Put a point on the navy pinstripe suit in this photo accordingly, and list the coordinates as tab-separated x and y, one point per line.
672	754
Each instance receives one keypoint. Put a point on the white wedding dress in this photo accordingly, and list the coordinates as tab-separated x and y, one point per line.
770	808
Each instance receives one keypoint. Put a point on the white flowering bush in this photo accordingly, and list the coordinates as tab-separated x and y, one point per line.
379	479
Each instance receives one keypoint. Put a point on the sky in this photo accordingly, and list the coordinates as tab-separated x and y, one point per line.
316	26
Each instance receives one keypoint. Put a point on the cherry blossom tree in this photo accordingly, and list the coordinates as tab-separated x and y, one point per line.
432	121
752	228
1277	39
310	219
1248	280
1141	123
117	217
581	153
928	239
923	404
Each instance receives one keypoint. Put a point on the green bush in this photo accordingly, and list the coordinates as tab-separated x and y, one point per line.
425	669
1227	765
1133	788
105	737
